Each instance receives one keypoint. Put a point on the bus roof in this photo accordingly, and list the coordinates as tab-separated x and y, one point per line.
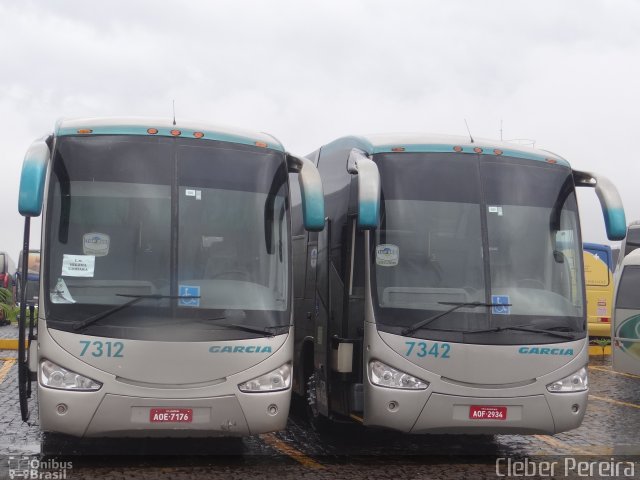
416	142
141	125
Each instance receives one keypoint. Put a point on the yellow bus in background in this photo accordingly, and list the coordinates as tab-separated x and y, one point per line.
598	263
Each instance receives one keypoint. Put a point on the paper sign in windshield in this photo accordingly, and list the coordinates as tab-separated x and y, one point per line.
387	255
61	294
78	265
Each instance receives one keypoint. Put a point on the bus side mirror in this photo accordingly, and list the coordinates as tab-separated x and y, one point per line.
610	201
368	189
34	171
310	191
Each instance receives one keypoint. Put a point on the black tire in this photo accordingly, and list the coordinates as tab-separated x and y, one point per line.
58	444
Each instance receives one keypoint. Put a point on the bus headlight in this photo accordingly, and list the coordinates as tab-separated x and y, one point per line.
54	376
576	382
278	379
385	376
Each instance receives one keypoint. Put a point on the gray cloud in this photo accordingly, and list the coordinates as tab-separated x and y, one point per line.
562	73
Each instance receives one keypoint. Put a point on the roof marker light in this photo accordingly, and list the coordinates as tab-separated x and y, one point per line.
175	133
261	144
477	150
497	151
84	131
198	134
457	148
152	131
398	149
551	160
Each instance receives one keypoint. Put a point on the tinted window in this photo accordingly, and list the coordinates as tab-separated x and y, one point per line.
633	240
629	289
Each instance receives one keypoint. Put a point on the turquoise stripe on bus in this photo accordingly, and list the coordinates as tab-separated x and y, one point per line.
166	132
615	223
32	179
488	150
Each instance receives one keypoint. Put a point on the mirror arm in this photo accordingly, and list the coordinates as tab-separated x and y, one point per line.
610	201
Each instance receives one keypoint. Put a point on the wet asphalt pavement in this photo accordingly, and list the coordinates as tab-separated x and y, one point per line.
607	440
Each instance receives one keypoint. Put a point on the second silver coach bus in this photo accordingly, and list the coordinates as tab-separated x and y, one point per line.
165	305
446	292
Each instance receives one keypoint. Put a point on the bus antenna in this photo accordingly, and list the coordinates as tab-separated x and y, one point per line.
174	112
468	130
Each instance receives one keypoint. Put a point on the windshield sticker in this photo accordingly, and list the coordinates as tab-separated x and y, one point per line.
387	255
192	192
78	265
314	257
207	242
501	305
189	296
61	293
495	209
96	244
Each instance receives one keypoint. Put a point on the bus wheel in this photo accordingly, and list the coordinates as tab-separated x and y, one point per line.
318	422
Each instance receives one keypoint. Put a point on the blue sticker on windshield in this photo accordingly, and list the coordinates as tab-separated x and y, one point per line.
501	305
189	296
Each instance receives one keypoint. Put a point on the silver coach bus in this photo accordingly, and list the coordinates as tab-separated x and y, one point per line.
446	292
165	305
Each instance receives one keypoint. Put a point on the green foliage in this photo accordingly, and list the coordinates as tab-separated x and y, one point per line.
7	305
602	342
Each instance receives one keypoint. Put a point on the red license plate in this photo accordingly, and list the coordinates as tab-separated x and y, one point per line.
482	412
171	415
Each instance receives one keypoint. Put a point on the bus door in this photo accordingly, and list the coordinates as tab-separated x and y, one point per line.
626	319
321	320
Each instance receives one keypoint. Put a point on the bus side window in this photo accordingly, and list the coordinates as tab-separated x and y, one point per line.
628	296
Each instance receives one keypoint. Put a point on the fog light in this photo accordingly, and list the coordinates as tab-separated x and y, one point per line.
272	410
393	406
61	408
575	408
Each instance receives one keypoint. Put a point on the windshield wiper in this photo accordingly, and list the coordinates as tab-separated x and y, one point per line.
246	328
134	299
525	328
455	307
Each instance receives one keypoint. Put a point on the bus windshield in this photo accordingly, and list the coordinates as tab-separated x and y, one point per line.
196	229
500	234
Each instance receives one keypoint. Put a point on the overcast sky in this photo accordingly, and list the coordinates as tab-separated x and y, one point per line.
565	74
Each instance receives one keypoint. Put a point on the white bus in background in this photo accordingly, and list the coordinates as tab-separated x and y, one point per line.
626	317
446	292
630	243
165	304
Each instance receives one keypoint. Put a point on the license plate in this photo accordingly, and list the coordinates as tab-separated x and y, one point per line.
171	415
482	412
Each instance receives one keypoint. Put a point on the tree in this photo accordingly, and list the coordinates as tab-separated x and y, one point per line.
7	306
